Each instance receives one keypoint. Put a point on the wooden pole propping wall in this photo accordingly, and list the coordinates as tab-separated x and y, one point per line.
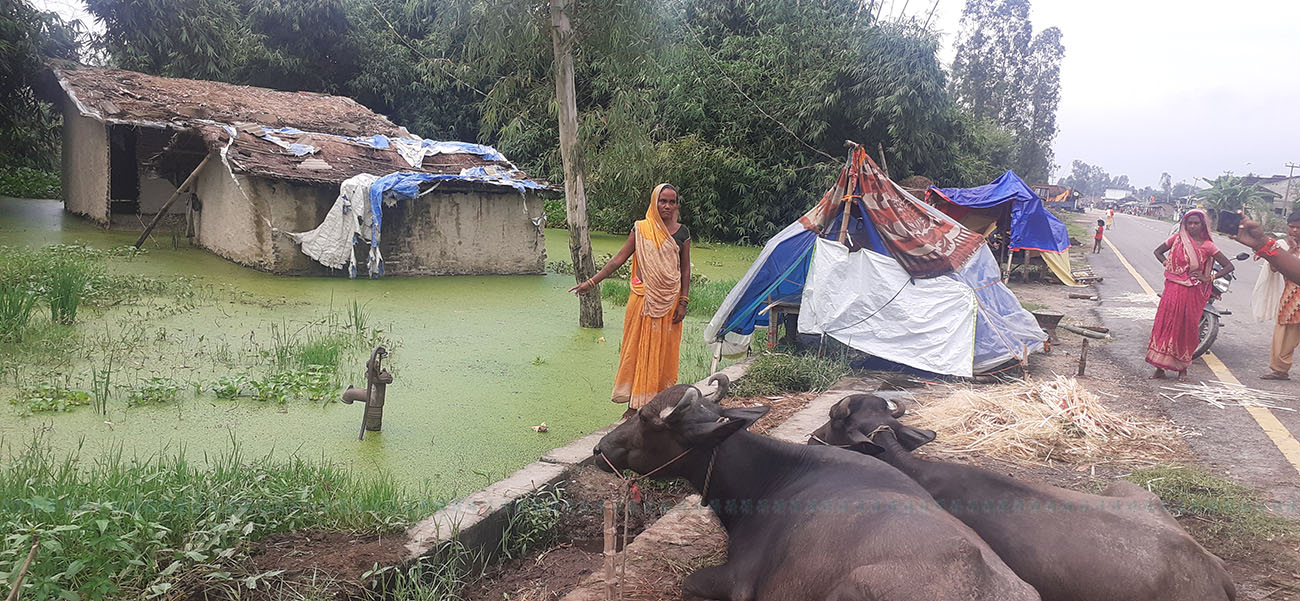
584	266
184	187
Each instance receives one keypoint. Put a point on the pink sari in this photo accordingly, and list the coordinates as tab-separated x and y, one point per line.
1175	334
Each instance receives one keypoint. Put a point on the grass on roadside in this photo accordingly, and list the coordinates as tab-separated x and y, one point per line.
112	526
778	373
1231	516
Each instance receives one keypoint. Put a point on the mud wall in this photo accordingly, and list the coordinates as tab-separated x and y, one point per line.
458	232
228	223
85	165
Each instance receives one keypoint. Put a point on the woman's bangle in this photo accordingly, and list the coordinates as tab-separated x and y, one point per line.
1268	250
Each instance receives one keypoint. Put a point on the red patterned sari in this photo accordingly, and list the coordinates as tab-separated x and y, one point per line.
1176	333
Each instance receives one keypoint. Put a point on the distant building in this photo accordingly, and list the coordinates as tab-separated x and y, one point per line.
1283	191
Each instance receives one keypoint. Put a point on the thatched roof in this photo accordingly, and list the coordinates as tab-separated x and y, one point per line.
209	109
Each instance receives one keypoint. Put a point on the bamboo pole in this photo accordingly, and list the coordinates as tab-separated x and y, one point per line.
611	578
18	584
167	205
584	266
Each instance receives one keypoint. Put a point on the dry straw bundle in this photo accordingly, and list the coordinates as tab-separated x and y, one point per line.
1040	421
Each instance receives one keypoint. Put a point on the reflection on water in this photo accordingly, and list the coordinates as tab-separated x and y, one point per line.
477	360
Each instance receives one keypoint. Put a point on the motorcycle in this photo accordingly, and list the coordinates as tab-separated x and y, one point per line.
1208	330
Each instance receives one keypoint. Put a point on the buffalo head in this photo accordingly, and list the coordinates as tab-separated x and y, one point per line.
856	418
676	421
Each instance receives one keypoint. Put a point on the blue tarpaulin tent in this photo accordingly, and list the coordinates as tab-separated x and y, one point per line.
960	320
1032	226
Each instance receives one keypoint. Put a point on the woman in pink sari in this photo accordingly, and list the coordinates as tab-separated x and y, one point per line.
1188	279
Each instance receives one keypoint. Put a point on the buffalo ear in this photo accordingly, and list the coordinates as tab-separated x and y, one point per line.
841	409
749	415
911	438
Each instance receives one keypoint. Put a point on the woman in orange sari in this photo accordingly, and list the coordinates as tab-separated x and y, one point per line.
660	249
1189	273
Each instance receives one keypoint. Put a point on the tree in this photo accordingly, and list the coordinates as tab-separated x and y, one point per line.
1091	180
29	128
1166	185
1230	193
1004	74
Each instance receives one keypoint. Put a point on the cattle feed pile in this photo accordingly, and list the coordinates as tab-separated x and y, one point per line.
1039	421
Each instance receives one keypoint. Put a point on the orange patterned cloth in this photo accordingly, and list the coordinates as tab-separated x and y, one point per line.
1288	312
648	358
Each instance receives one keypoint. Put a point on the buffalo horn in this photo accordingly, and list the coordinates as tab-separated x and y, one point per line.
723	384
896	410
691	395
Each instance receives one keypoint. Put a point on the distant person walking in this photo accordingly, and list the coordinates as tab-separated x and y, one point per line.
660	249
1277	299
1096	244
1175	333
1110	217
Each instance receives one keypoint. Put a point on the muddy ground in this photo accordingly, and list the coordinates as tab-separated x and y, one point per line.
1263	570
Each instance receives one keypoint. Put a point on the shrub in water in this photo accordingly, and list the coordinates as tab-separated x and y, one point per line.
48	399
66	282
155	391
16	303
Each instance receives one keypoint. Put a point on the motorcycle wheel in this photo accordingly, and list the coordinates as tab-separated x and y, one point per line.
1208	331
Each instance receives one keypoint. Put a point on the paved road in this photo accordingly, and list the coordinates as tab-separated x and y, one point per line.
1230	439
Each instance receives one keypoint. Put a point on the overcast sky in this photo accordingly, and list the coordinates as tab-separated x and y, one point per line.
1191	87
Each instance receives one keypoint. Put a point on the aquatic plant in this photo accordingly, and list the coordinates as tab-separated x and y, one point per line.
65	282
48	398
154	391
16	303
115	527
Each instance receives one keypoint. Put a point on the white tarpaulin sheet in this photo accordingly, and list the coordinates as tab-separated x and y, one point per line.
868	302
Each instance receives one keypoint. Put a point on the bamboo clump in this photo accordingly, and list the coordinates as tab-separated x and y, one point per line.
1039	421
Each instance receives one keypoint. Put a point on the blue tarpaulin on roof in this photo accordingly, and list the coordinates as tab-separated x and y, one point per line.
1032	226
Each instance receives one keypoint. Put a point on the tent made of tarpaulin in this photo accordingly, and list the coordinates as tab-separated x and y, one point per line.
1009	204
878	270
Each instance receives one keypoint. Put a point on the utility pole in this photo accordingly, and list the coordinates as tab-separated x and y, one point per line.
1290	175
584	267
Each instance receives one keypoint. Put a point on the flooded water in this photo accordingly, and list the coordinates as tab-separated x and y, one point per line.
477	361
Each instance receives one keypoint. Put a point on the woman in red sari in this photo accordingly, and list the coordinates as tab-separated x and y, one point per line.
1188	282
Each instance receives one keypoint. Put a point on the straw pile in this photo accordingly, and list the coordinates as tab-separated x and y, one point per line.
1040	421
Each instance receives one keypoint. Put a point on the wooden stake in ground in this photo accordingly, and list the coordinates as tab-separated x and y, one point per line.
584	267
185	186
1083	356
611	578
18	584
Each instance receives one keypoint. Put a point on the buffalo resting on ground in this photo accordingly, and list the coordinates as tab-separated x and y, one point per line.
805	522
1120	545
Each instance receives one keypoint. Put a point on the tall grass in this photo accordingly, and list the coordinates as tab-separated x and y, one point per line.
66	280
119	527
16	303
775	373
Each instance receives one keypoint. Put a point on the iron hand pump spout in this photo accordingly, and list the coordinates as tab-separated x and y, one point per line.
377	381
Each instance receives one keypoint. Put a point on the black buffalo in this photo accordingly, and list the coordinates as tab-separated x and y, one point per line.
1120	545
806	522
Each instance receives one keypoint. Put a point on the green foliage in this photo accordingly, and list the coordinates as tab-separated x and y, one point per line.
67	277
314	383
1231	193
154	391
1007	76
777	373
114	527
534	522
556	213
29	128
17	300
25	182
1233	516
1092	180
47	398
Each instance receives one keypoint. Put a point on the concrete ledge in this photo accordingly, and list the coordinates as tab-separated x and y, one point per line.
479	518
798	426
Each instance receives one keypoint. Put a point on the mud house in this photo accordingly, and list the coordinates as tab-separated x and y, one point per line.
262	174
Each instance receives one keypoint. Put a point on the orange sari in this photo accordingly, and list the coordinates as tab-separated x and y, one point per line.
647	360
